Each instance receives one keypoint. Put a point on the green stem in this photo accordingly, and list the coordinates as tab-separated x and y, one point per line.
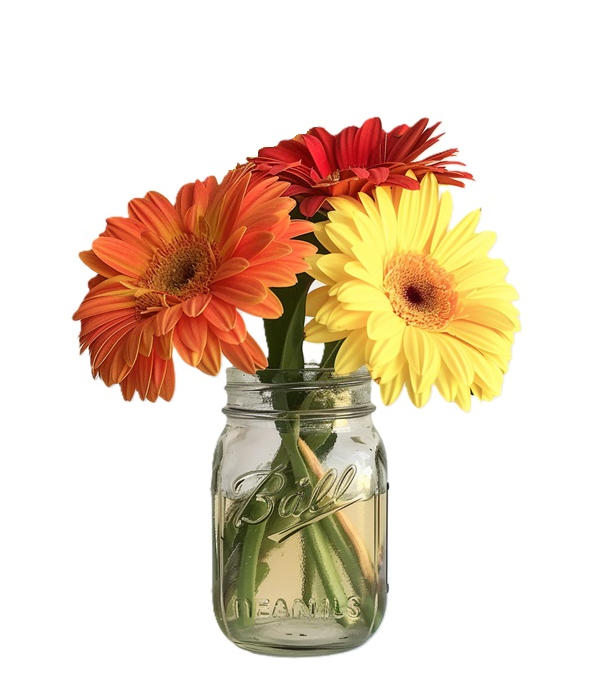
341	542
254	536
315	539
248	566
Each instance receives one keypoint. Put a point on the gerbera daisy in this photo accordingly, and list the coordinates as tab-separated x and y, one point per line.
416	301
319	165
177	276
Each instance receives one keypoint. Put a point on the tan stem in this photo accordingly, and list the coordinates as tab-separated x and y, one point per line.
364	560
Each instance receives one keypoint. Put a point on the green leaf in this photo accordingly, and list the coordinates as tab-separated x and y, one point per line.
285	334
330	352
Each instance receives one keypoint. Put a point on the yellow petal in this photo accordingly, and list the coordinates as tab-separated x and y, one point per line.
480	274
387	212
477	247
383	324
446	384
315	332
358	270
463	398
323	237
315	300
456	358
493	316
456	238
480	337
488	375
315	270
324	311
442	220
418	398
361	296
342	234
371	232
428	213
370	259
421	352
381	352
341	319
390	390
351	355
407	218
332	265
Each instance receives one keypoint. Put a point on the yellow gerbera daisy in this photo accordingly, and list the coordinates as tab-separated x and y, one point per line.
416	301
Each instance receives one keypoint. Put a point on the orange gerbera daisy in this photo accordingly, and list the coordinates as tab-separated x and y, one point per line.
319	165
177	276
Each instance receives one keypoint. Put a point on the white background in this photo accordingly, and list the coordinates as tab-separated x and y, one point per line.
105	548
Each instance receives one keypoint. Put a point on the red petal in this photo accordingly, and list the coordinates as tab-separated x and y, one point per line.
311	205
319	155
366	147
378	175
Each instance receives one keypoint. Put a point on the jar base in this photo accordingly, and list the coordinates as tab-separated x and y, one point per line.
301	638
264	650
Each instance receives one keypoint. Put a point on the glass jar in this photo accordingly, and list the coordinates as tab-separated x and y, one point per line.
300	494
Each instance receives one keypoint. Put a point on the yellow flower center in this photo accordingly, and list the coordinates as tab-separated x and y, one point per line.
420	291
185	268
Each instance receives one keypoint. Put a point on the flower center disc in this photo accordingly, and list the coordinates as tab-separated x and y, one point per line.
185	268
420	291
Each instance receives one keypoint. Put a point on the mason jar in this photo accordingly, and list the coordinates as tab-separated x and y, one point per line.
300	499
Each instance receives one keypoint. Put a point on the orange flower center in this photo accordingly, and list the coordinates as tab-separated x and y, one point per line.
185	268
420	291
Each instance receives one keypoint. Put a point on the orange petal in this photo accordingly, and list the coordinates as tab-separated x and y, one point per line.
96	264
254	243
166	320
231	267
104	344
168	386
190	337
220	314
211	359
195	222
243	357
157	214
196	305
194	194
128	259
239	290
229	244
123	228
235	335
269	307
97	305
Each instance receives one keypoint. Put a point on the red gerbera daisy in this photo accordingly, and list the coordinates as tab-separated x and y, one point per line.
177	276
319	165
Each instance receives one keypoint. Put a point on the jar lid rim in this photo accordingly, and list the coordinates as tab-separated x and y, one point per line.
310	374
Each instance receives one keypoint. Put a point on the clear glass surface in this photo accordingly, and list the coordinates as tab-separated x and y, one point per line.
300	498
